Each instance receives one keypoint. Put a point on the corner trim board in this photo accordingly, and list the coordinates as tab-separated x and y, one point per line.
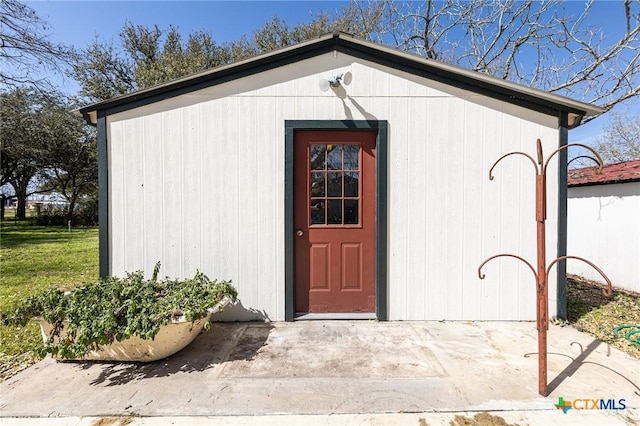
103	196
561	292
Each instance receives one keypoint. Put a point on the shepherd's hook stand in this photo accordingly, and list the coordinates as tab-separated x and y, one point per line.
542	273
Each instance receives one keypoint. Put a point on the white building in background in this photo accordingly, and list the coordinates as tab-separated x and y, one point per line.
604	223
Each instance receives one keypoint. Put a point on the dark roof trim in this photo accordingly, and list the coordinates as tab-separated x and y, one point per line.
533	99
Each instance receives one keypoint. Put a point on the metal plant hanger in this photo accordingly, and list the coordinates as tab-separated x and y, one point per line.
542	272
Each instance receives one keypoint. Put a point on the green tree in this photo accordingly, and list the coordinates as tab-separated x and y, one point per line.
44	147
102	72
71	164
361	20
156	62
149	55
21	144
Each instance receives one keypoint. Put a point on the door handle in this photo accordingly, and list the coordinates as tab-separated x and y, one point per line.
299	233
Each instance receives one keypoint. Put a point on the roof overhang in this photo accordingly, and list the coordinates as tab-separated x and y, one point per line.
506	91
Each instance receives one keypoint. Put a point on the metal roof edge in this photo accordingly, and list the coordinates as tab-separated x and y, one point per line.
559	99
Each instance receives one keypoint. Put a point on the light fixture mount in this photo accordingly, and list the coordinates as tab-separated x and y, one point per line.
335	81
332	82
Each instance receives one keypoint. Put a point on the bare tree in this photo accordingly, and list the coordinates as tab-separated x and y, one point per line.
621	141
550	45
25	47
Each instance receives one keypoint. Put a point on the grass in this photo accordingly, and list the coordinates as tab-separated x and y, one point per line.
33	259
591	312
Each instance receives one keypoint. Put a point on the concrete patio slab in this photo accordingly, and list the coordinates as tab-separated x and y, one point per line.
338	369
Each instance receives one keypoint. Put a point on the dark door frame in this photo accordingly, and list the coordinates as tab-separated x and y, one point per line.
381	129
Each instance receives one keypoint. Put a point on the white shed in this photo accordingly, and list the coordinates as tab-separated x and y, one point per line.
604	222
362	197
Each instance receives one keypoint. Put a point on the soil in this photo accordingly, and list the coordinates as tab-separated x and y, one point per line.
480	419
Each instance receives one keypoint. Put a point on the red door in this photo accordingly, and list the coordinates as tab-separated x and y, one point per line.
335	221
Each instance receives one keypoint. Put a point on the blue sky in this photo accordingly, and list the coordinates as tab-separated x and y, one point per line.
78	23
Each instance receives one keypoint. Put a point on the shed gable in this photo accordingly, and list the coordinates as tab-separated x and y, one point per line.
433	70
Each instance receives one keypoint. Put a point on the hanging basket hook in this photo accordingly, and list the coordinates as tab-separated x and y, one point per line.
599	159
607	292
512	153
482	276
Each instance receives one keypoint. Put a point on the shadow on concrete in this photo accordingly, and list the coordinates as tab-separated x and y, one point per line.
238	312
225	342
579	361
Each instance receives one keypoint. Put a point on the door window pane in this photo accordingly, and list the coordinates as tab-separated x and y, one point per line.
334	184
334	157
350	212
334	212
318	212
316	157
351	157
317	184
351	184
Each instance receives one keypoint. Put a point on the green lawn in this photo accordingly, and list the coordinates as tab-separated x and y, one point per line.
34	258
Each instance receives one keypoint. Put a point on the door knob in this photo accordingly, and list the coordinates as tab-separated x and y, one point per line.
299	233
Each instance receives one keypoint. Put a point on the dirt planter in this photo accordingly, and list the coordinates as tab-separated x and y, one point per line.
171	338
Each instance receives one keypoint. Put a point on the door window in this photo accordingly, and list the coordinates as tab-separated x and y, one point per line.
334	193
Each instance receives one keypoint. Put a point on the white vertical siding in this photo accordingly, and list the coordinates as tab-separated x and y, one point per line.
172	200
153	194
490	214
509	181
473	218
249	211
191	190
436	216
398	197
197	182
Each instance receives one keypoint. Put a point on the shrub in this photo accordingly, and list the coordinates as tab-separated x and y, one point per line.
85	214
